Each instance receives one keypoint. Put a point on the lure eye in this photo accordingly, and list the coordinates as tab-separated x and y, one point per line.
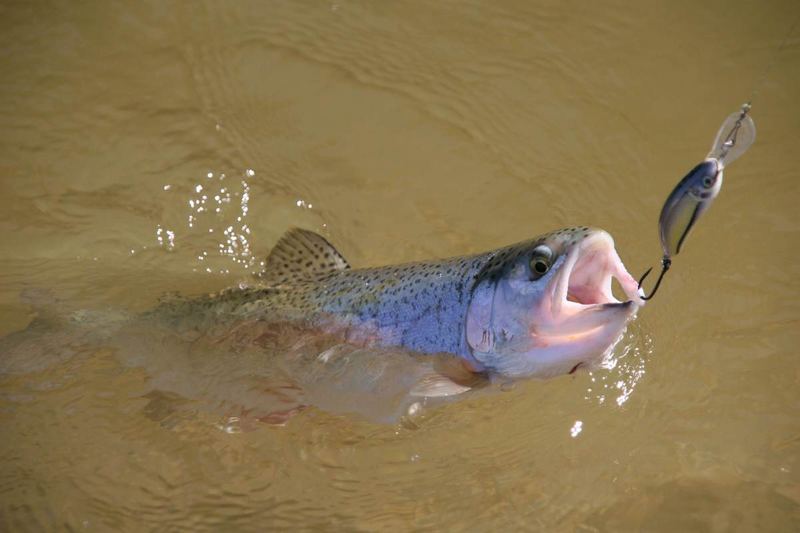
540	261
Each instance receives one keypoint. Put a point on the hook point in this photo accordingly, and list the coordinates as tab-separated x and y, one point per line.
666	262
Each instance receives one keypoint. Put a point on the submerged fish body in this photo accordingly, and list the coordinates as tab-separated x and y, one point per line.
311	331
536	308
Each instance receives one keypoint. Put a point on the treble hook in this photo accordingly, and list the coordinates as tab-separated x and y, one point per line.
666	262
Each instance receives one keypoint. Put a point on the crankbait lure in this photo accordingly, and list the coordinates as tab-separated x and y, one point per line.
695	192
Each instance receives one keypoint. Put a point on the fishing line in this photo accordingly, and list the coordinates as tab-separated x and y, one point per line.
774	59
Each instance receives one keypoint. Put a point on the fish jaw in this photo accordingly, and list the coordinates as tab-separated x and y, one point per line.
572	317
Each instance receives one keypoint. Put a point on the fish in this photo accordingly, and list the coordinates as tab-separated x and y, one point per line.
537	308
383	343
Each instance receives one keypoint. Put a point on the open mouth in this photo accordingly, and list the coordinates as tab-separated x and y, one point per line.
594	268
582	298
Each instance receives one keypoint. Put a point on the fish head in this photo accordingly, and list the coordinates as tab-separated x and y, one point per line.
544	306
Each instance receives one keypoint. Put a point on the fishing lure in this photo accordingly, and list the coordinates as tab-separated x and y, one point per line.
694	193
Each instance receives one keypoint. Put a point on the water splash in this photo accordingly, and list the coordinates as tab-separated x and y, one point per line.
165	238
217	206
621	370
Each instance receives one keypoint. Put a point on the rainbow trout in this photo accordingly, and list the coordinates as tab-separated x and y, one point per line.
536	308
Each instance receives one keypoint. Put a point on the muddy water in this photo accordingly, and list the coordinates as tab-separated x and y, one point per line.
147	149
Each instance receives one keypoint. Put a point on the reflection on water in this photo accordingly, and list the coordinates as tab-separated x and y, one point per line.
153	150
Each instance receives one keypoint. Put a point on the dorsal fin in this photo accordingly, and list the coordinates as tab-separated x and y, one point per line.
301	254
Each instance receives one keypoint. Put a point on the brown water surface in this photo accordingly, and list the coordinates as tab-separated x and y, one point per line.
151	147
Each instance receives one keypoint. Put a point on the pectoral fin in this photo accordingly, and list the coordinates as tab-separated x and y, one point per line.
436	385
450	376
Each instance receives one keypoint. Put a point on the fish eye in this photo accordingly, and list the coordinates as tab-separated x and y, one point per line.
540	261
708	181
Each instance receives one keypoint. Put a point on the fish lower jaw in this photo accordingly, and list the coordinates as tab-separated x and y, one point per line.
565	355
581	320
550	355
563	349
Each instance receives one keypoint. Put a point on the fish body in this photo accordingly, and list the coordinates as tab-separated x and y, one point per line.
535	308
